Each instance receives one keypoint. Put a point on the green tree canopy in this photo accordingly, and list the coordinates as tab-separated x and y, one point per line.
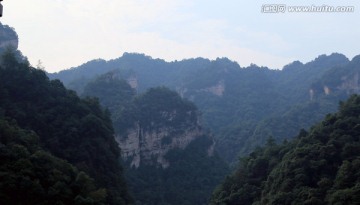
318	167
70	128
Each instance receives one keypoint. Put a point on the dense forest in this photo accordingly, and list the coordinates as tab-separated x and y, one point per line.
58	147
40	178
242	106
320	166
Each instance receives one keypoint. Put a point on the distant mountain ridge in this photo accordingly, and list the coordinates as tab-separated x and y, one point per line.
241	106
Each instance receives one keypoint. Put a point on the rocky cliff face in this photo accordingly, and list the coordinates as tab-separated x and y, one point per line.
150	146
133	82
217	89
338	80
350	83
161	121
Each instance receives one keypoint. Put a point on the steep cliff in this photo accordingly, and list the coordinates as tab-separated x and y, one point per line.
151	147
162	121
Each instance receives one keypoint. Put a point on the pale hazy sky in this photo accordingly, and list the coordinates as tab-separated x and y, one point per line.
67	33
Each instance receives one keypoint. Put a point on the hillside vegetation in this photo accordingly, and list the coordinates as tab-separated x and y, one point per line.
44	127
318	167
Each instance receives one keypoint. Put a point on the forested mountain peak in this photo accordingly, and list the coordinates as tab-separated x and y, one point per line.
8	37
136	57
321	60
9	42
293	65
328	60
356	59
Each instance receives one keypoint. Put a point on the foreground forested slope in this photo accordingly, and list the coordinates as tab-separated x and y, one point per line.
320	166
44	127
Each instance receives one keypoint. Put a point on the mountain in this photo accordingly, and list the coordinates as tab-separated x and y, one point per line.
8	38
9	41
170	158
44	127
143	69
170	125
241	106
320	166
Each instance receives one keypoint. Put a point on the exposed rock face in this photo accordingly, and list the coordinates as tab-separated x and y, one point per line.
311	93
211	150
350	84
217	89
327	90
133	82
150	147
345	83
161	121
